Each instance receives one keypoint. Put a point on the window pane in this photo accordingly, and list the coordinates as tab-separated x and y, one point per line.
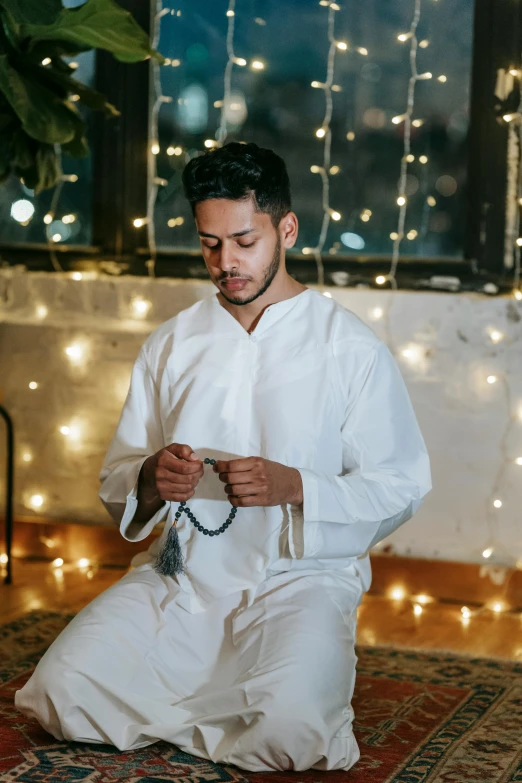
22	213
277	107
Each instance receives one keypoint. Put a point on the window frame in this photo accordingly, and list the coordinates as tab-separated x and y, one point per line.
120	161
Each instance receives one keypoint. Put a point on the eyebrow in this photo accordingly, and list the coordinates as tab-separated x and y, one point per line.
230	236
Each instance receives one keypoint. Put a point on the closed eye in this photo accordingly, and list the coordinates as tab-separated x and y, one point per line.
250	245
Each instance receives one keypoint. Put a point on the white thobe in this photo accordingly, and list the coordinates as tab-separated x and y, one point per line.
259	632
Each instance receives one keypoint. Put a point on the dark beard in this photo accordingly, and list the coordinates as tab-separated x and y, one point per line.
270	273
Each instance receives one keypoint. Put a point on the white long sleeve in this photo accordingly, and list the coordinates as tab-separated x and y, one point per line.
138	435
386	469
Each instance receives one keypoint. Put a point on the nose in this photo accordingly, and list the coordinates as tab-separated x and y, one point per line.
227	259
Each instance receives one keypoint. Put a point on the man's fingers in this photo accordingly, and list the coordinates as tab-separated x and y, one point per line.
182	451
179	465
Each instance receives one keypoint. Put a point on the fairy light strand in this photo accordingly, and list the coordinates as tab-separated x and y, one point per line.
221	133
153	181
326	133
402	200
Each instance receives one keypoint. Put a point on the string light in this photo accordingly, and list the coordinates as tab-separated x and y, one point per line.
57	563
222	132
324	132
153	181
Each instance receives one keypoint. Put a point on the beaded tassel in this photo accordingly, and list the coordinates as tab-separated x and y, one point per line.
170	560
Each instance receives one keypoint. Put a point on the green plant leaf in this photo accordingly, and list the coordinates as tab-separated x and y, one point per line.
45	170
88	96
33	11
43	116
100	24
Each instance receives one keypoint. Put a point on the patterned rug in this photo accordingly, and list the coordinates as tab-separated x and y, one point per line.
420	718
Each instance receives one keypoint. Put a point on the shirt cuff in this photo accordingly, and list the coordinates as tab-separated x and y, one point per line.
304	535
130	530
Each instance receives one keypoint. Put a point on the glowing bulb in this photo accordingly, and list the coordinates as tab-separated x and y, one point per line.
33	385
380	279
58	562
465	612
170	150
56	237
423	599
22	210
320	132
365	217
417	123
335	215
498	607
496	336
362	50
68	219
65	430
315	169
519	241
394	235
27	456
412	234
350	135
46	61
377	313
230	12
424	43
401	201
518	461
328	294
518	295
398	119
334	170
41	311
403	37
155	148
257	65
487	552
48	219
492	378
240	61
73	65
74	351
413	353
431	201
410	158
417	610
140	306
342	45
76	275
83	562
3	559
508	117
397	593
442	78
210	143
139	222
36	501
513	72
497	503
427	75
423	159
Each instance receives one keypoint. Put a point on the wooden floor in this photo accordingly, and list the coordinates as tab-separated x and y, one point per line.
382	621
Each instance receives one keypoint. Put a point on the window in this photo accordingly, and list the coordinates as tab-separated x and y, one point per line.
285	47
22	214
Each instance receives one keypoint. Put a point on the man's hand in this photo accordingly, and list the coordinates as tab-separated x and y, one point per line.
254	481
172	473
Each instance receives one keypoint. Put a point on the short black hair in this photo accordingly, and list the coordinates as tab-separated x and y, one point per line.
238	171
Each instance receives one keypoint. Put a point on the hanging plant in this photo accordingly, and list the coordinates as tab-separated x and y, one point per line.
36	110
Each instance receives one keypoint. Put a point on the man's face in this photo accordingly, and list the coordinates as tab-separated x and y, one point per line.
241	248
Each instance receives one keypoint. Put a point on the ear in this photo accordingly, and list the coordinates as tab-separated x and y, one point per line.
289	229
